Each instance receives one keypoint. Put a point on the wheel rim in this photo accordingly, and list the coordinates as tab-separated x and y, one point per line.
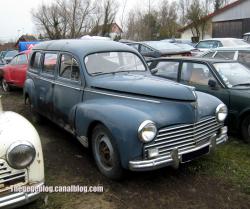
5	85
104	151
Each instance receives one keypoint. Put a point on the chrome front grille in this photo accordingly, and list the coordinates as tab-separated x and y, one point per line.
184	137
10	177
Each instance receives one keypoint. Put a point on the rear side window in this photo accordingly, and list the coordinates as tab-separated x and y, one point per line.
49	63
168	70
225	55
35	62
244	57
69	68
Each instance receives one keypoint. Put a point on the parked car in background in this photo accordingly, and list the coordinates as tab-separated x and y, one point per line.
14	73
104	94
239	54
154	49
180	41
9	56
228	80
21	160
246	37
208	44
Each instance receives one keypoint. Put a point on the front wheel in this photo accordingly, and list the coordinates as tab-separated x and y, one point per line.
106	153
245	129
5	85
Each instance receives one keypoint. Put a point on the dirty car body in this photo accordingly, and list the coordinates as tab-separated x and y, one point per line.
147	122
21	160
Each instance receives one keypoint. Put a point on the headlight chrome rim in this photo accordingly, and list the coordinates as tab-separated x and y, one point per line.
221	109
15	145
145	124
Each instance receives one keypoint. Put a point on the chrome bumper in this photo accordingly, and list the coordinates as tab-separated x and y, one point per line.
13	200
175	157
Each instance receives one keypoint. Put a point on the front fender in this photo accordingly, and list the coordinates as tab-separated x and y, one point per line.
122	122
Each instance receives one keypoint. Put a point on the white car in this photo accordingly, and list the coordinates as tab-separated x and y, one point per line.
212	43
21	160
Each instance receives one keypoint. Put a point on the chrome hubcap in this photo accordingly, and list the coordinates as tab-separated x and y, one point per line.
5	85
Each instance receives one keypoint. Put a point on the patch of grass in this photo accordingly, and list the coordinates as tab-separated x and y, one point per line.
230	162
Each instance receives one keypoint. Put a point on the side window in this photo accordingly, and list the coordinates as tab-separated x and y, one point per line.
145	50
135	46
244	57
22	59
209	55
35	62
224	55
69	68
49	63
168	70
194	73
13	61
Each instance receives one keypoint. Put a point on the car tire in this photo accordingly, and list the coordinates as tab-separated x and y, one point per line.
105	153
5	85
245	129
36	118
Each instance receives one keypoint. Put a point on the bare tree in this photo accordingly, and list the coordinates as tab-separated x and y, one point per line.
62	19
219	3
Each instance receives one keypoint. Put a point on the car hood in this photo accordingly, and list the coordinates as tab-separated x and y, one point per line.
144	85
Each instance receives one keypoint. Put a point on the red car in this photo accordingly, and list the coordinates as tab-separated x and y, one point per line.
14	74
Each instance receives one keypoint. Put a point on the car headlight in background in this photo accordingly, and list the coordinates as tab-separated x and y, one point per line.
221	112
21	154
147	131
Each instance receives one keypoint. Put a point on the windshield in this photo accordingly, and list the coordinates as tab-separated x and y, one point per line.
161	45
233	74
11	53
113	62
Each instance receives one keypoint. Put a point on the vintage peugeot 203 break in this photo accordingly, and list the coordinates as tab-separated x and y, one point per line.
104	94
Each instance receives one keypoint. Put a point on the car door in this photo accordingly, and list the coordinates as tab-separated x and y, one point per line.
68	91
20	70
198	74
9	71
45	84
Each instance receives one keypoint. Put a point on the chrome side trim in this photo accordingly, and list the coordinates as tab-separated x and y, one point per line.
60	84
121	96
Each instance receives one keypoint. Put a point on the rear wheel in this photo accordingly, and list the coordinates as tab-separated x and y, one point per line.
106	153
5	85
245	129
35	117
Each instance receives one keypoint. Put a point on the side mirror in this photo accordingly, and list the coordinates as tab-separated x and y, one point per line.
154	71
212	83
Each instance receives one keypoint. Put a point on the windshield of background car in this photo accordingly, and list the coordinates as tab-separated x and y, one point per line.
113	62
233	74
162	45
11	53
208	44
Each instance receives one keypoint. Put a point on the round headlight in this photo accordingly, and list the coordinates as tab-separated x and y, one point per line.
221	112
20	155
147	131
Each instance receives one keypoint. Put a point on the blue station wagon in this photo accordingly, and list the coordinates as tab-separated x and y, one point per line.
104	94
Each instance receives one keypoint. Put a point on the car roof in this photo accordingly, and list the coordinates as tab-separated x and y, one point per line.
83	47
198	59
220	39
243	48
246	33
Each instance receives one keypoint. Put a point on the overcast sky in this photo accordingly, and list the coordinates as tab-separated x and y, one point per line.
15	16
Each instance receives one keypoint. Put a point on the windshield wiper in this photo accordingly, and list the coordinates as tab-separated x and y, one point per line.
242	84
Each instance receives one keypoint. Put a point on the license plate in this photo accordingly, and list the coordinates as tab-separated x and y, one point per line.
192	155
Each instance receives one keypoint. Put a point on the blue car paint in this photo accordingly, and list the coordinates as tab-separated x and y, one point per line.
121	102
